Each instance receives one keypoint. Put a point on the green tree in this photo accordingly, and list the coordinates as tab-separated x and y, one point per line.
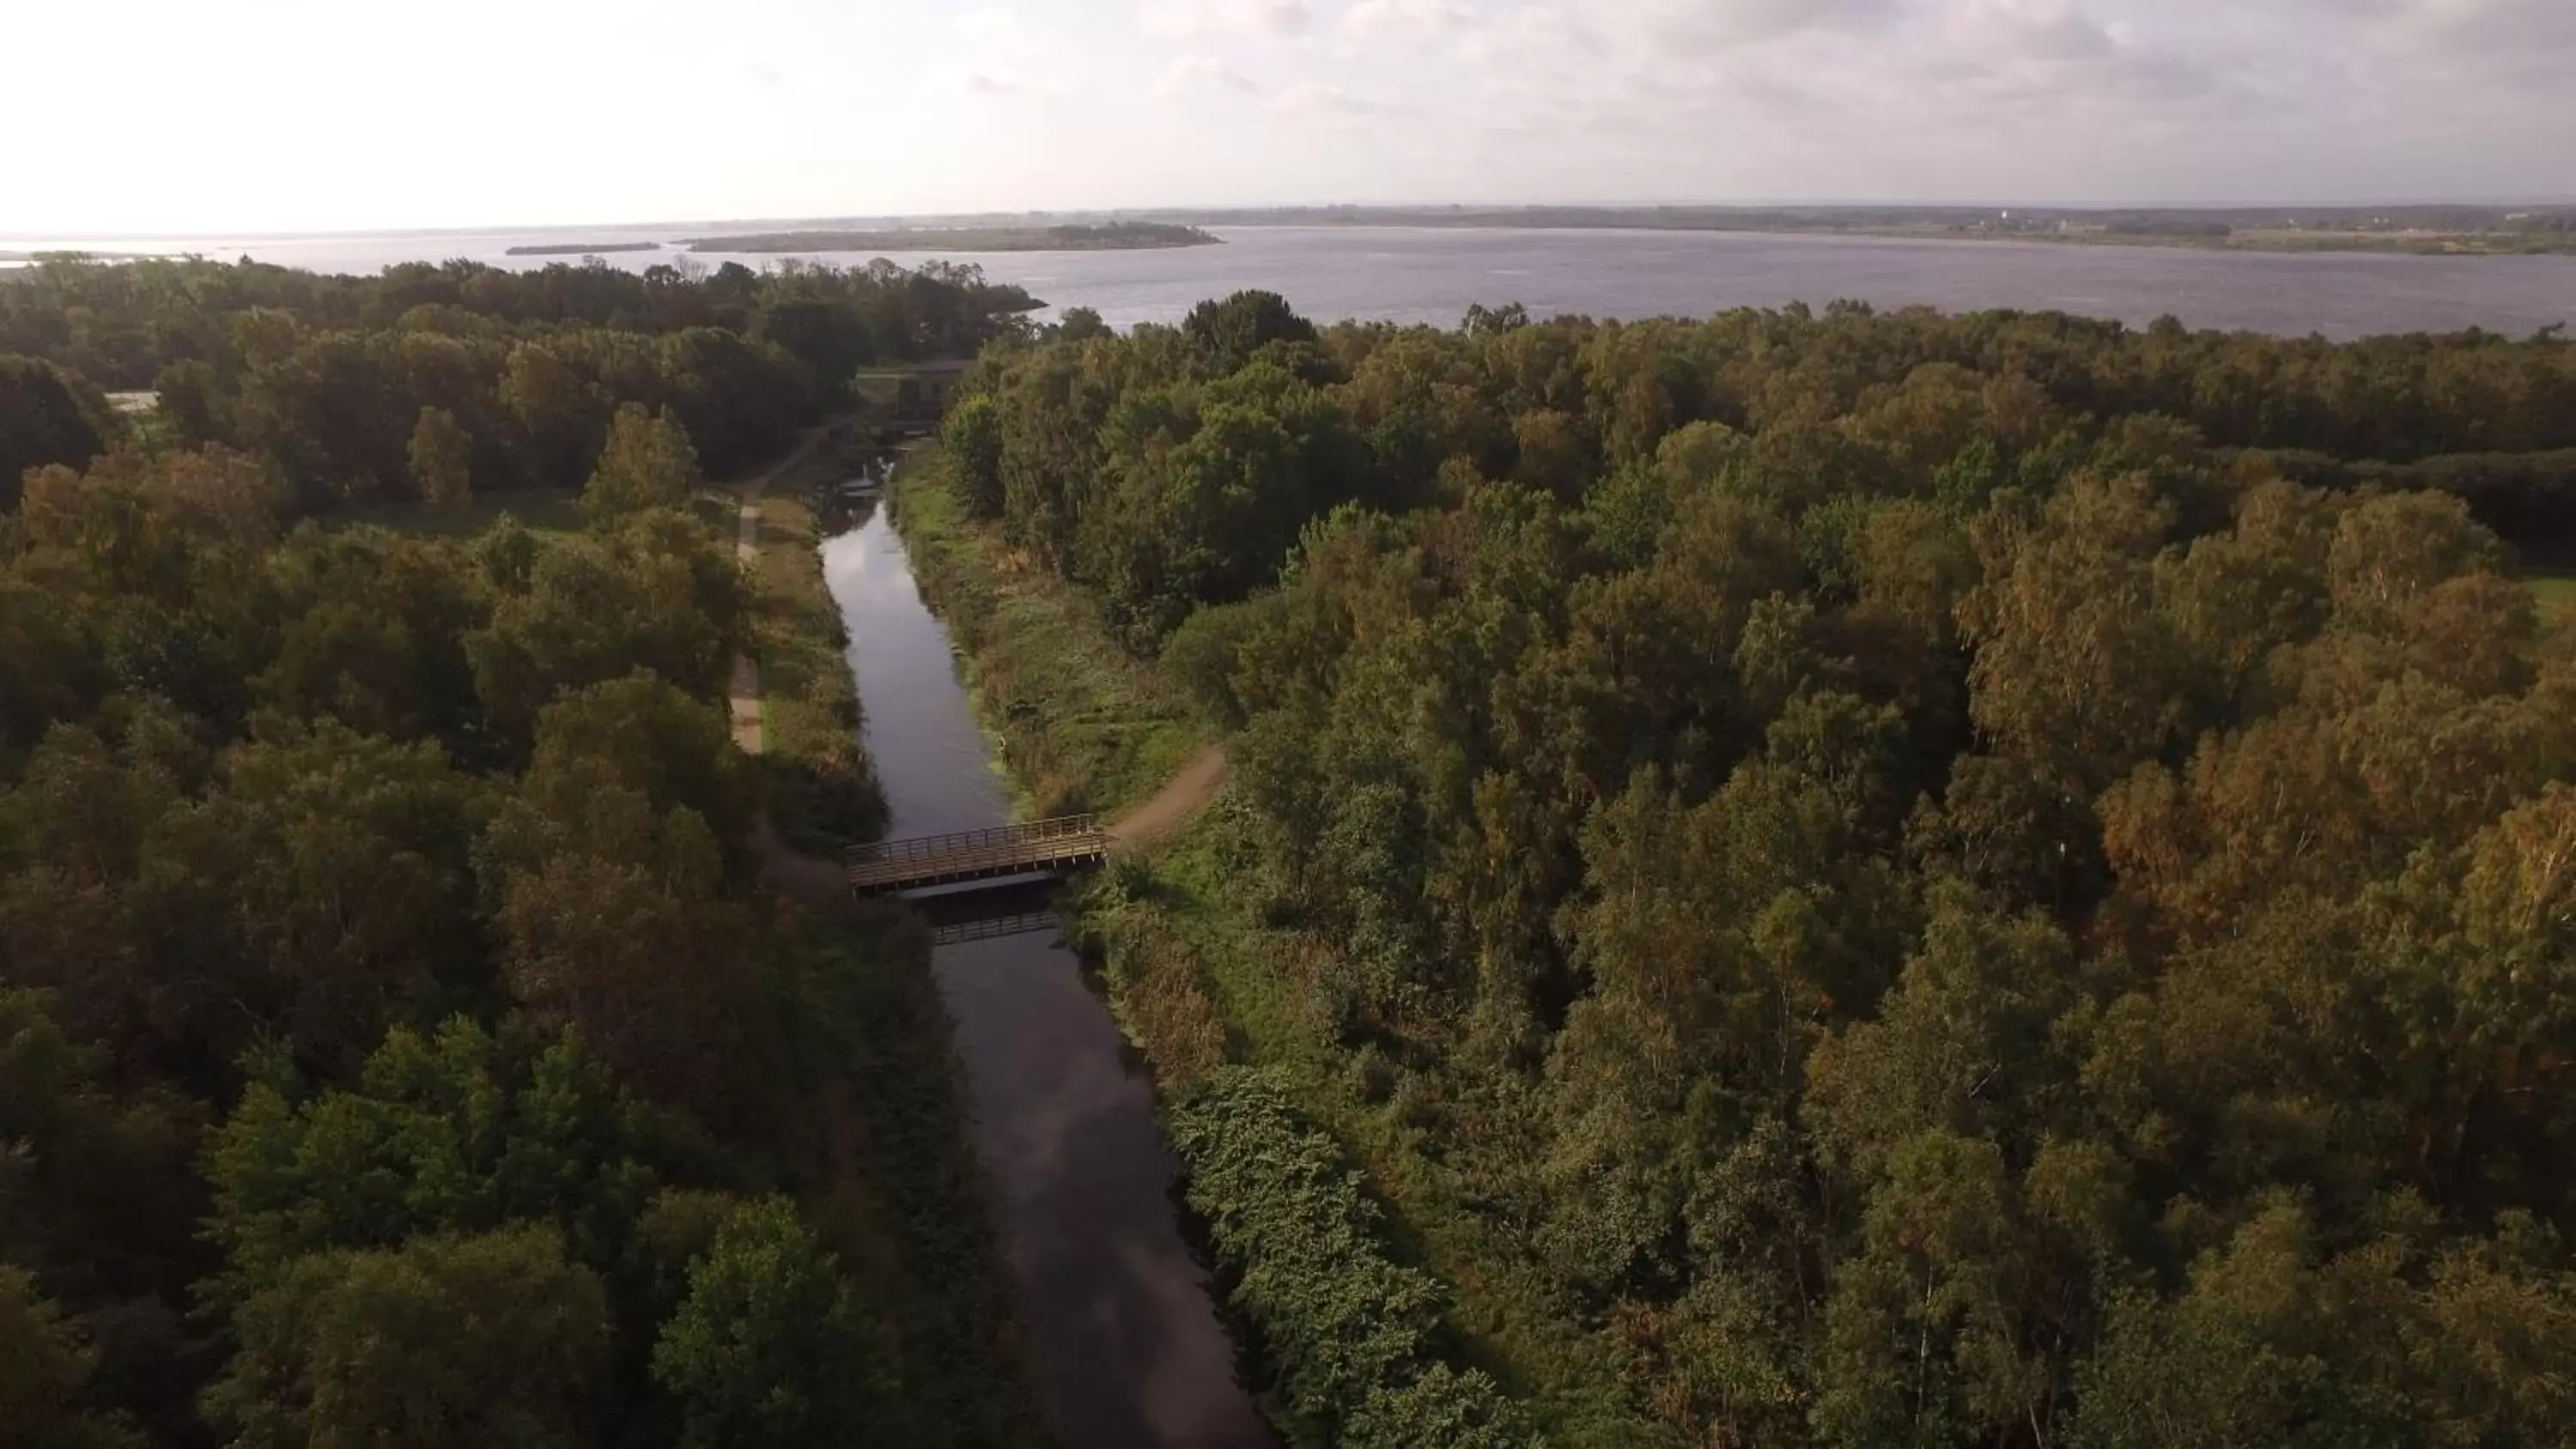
321	889
442	459
44	418
458	1131
972	434
560	415
1081	324
488	1340
597	608
769	1348
44	1369
190	399
1231	331
647	462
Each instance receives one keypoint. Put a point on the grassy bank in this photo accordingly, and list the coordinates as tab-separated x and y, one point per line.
1205	990
1199	981
892	1179
2556	592
537	510
822	789
1082	725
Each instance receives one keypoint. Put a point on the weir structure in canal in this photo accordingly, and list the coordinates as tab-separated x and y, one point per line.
1040	847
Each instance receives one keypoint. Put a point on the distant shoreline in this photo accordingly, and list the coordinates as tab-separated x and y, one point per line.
566	249
2411	231
1115	236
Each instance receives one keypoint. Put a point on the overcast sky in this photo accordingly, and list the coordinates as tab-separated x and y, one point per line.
177	116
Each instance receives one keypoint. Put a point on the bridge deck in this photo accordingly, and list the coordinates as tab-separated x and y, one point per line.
930	860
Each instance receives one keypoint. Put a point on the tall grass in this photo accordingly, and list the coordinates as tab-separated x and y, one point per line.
1186	926
1082	725
822	787
2556	592
891	1180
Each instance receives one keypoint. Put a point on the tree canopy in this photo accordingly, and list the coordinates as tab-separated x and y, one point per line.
1988	880
342	381
396	1044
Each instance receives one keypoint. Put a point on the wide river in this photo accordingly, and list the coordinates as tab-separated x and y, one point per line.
1432	275
1127	1341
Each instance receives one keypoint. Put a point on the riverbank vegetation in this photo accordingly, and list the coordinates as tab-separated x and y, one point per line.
397	1042
1197	981
1855	878
823	796
1082	725
2556	592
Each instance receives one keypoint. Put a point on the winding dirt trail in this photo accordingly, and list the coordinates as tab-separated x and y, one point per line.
1184	795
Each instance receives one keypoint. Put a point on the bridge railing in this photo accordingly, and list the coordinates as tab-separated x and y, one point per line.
932	849
1019	923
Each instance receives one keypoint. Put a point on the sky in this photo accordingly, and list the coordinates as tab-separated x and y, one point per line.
171	117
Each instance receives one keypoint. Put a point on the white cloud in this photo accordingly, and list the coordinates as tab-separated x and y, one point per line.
1332	105
999	82
1224	19
996	55
1408	19
1057	103
1736	22
999	32
2519	36
1194	74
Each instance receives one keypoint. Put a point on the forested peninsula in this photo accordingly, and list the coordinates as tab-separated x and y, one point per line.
1114	236
404	1038
583	249
1824	877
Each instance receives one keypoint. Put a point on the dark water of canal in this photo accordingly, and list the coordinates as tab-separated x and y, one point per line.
1128	1344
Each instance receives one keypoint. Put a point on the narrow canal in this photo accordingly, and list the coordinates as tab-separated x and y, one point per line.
1127	1342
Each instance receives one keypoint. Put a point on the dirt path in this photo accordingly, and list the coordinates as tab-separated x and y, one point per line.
818	883
1152	823
744	691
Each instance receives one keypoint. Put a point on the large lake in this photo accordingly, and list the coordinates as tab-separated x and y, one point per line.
1432	275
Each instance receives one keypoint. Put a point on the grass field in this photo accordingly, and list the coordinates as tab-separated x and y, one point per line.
2556	592
540	512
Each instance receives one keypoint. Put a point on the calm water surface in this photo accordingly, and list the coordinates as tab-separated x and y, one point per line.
1431	275
1127	1341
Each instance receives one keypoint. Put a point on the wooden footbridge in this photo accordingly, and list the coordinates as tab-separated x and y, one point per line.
1042	847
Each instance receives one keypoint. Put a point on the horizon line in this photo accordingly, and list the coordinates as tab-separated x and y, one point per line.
1166	208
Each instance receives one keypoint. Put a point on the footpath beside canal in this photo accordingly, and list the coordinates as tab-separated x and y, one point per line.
1296	1169
1128	1342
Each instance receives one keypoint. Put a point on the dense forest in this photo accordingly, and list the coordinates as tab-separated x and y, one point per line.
333	376
398	1043
1982	880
